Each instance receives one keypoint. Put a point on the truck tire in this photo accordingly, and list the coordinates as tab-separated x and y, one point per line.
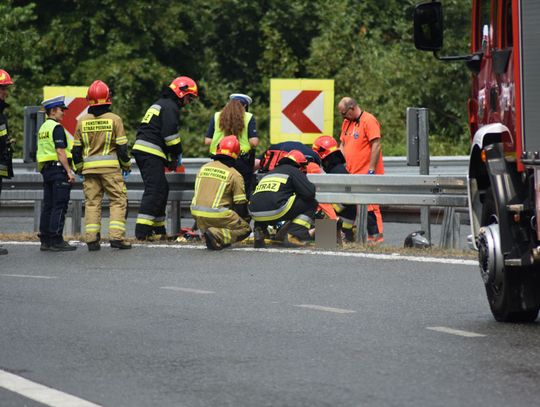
514	288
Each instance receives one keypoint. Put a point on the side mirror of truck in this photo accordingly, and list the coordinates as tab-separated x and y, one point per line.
428	26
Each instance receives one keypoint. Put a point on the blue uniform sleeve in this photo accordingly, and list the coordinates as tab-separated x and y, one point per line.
59	137
211	127
252	128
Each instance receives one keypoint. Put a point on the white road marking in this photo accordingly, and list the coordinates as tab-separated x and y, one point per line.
326	309
27	276
188	290
452	331
375	256
40	393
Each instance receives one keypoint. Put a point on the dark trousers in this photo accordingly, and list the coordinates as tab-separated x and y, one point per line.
300	207
151	217
56	190
244	166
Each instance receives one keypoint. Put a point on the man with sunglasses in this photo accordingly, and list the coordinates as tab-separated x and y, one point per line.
361	145
158	145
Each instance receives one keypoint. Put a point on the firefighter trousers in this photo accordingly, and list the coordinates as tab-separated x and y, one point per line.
95	185
151	217
225	231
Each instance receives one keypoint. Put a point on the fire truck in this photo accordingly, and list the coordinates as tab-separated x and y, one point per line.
504	165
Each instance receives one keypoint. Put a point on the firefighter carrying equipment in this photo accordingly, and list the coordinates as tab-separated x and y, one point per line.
98	94
218	189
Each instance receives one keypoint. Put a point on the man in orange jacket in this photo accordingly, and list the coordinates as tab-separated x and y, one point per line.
361	145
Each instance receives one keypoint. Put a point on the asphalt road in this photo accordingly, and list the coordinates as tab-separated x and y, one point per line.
187	327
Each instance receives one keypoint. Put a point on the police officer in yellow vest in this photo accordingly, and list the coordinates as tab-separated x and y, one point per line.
219	205
54	163
100	153
235	119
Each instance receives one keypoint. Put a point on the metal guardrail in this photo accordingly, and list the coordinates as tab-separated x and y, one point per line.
392	189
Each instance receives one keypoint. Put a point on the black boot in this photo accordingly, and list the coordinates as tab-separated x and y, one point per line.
62	246
3	251
93	246
120	244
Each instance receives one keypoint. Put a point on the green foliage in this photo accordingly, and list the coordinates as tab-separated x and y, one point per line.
137	47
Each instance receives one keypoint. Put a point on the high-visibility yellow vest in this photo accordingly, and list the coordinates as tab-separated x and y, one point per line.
242	138
46	150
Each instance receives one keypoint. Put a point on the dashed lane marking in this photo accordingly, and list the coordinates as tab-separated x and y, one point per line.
27	276
326	309
188	290
375	256
452	331
40	393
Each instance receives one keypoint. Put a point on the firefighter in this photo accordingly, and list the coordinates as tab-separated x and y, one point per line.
158	145
285	194
100	154
54	162
333	162
235	119
220	205
6	164
268	160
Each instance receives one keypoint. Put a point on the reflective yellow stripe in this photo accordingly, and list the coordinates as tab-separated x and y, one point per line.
149	150
226	236
303	223
99	164
286	208
239	198
206	214
159	223
3	173
121	140
145	222
117	224
3	132
173	142
219	195
93	227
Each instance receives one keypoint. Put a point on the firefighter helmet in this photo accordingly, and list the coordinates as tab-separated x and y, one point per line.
229	146
324	146
183	86
313	168
298	157
5	79
98	94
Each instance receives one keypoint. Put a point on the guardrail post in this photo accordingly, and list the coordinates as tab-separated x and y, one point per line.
450	229
175	215
37	215
76	216
361	223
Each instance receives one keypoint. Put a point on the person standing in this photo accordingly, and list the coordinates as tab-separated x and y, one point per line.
361	145
219	205
235	119
333	162
158	145
100	154
54	162
6	163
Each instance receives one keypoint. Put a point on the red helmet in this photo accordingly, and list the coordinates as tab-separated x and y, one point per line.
98	94
298	157
229	146
324	146
5	79
183	86
313	168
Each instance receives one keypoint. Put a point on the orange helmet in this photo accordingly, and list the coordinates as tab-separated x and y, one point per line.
5	79
298	157
229	146
98	94
183	86
313	168
324	146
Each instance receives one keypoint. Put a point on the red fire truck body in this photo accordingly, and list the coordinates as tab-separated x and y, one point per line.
504	166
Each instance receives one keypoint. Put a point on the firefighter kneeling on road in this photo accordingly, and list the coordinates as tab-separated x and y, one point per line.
219	205
285	194
100	155
333	162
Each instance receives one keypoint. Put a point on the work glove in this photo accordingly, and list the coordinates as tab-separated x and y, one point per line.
125	174
81	177
179	160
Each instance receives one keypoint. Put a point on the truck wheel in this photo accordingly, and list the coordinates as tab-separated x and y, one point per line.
512	288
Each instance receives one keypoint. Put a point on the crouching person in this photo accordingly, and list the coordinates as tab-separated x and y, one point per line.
285	194
219	205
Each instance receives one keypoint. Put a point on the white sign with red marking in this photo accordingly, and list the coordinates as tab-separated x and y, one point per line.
75	101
